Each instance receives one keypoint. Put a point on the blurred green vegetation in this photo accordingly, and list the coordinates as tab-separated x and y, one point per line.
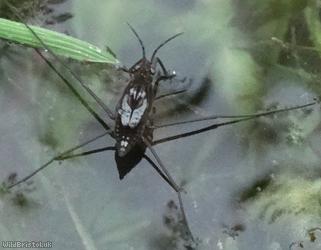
282	36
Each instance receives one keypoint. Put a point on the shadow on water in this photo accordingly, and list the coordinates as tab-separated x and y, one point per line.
18	197
176	236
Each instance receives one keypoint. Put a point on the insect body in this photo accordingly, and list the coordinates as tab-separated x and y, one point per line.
132	121
132	112
131	124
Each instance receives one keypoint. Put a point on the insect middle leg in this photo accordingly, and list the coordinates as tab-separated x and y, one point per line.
170	94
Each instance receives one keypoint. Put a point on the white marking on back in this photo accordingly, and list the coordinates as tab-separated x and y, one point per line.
125	111
137	115
131	117
123	143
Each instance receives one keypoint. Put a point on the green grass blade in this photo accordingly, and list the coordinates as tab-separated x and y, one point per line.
59	43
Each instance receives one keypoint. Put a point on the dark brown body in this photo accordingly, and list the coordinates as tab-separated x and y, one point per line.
132	122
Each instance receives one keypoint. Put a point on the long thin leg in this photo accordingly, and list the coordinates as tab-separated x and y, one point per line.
163	77
198	131
55	158
74	91
160	172
177	191
149	145
171	183
161	64
170	94
97	99
254	115
157	81
94	151
177	188
166	178
165	72
216	125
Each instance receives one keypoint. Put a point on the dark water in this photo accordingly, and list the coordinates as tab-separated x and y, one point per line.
250	186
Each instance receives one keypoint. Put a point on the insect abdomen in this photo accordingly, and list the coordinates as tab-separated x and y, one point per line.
126	137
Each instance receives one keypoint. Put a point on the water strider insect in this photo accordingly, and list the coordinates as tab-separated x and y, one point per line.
134	126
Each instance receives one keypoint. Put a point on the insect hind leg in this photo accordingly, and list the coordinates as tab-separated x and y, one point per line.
57	158
98	150
178	191
168	178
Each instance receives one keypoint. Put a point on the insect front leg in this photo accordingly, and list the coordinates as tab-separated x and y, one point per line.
165	76
165	72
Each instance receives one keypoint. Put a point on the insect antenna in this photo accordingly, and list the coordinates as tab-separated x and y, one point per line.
163	43
140	40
